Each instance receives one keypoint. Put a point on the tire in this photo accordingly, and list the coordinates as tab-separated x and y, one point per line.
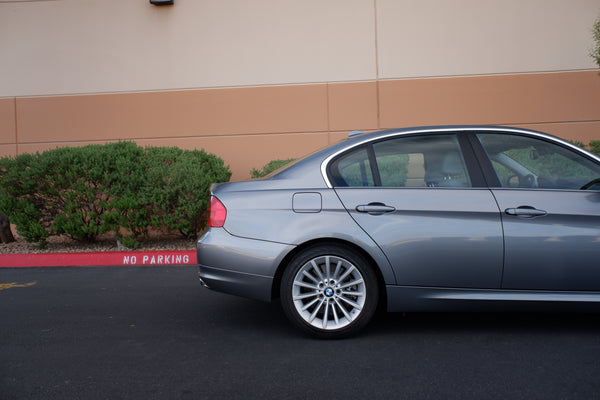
329	291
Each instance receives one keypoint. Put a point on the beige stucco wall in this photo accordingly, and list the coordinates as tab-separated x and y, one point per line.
424	38
90	46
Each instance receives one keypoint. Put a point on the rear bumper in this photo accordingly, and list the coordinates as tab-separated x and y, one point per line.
245	285
239	266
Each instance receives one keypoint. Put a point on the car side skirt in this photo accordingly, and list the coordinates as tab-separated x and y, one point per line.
409	298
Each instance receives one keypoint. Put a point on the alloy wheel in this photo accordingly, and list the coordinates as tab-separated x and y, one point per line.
329	292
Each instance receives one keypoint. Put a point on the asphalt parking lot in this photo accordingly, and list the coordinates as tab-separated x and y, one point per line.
154	333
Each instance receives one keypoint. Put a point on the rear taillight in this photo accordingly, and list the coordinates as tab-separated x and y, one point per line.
217	213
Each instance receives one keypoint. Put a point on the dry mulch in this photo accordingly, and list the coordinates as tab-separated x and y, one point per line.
107	242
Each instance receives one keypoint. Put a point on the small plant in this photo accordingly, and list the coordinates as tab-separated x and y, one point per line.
271	166
578	143
595	146
128	242
595	53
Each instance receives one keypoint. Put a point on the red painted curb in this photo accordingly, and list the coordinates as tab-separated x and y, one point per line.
102	258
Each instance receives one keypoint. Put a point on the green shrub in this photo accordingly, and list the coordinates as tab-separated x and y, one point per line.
128	194
595	53
181	187
271	166
83	192
17	191
595	146
578	143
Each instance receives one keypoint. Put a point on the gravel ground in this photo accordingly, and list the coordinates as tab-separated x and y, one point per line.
108	242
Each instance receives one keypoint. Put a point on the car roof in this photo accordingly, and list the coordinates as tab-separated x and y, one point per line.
448	129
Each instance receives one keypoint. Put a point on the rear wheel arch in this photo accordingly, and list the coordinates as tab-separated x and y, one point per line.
334	242
329	290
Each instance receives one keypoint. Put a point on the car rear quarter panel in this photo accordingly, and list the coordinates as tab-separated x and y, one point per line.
269	215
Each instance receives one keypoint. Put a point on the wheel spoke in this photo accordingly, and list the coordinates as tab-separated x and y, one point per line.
327	268
309	305
348	272
317	270
309	276
356	294
343	309
316	311
335	316
352	303
304	296
338	268
348	284
306	285
326	315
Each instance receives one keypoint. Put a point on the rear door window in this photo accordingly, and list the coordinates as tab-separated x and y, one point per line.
404	162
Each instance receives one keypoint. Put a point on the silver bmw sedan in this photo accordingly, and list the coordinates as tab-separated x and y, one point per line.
419	219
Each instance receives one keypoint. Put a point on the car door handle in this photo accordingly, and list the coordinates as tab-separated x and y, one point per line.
375	208
525	211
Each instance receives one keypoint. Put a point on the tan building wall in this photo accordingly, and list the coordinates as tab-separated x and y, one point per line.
249	126
254	81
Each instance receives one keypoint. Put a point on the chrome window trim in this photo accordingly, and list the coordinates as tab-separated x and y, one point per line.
325	163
